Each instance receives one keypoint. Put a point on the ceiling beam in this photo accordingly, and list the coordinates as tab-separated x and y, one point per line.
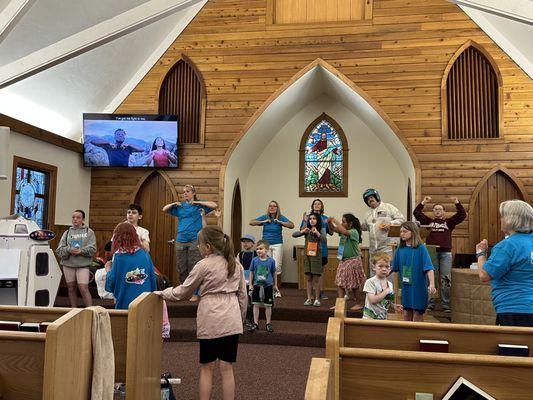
90	38
517	10
11	14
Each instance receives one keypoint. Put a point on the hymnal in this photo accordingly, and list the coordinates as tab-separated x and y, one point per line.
520	350
439	346
9	326
43	326
30	327
463	389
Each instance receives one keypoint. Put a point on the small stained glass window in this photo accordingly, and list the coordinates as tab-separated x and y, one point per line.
324	159
31	195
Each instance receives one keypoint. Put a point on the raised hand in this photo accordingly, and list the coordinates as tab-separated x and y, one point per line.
427	199
217	212
482	246
454	199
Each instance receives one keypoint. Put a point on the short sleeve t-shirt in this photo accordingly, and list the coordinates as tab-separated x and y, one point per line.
380	309
272	230
143	234
349	245
189	221
263	271
510	266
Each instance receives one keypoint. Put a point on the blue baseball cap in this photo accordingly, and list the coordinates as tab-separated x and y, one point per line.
248	237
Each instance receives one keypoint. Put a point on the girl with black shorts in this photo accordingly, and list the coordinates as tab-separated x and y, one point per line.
221	310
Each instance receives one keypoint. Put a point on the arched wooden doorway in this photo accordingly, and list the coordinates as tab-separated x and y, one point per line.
497	185
236	218
154	191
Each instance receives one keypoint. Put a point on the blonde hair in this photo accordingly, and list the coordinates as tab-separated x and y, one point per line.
415	237
193	189
221	243
278	213
381	256
517	215
263	243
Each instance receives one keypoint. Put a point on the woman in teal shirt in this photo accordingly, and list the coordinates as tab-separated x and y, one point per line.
190	223
510	266
273	222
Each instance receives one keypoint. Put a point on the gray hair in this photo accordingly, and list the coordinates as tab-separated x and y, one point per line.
517	215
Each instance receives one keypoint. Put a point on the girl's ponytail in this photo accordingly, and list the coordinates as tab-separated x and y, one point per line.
221	243
229	255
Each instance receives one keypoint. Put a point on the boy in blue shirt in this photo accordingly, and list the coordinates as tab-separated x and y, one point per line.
263	284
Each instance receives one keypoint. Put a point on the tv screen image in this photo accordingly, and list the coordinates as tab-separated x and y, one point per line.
134	141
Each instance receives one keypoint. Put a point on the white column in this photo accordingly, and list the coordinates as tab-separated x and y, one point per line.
4	151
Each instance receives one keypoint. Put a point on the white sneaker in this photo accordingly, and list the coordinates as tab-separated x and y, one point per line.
317	303
277	294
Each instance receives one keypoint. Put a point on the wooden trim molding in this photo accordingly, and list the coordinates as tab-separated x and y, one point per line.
444	95
51	170
40	134
345	151
374	104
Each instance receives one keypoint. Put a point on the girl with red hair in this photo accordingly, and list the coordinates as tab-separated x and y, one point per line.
132	271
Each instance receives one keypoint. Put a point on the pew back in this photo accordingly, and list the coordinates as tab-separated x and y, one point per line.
42	366
398	374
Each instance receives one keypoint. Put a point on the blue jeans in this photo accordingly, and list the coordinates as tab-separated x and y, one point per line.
443	266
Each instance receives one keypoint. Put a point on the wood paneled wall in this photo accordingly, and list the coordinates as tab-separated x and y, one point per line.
398	60
312	11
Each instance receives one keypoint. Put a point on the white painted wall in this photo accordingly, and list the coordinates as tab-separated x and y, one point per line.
73	180
275	175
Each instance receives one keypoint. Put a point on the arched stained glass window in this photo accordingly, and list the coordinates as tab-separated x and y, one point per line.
324	159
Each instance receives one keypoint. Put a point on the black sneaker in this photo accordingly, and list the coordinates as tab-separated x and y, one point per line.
270	328
430	307
254	327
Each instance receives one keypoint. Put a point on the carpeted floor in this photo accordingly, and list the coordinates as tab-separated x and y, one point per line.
261	372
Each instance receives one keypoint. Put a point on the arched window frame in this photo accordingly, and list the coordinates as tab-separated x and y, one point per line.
345	151
444	97
203	100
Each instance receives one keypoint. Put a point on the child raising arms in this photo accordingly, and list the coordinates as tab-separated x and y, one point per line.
350	273
413	263
221	309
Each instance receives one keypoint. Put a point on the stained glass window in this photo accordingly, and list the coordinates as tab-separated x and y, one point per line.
31	195
324	163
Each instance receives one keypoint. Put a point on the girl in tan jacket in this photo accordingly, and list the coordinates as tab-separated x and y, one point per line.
221	310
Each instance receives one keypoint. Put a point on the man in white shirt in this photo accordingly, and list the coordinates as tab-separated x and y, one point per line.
377	222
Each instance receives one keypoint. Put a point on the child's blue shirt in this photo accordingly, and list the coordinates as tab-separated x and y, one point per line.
130	275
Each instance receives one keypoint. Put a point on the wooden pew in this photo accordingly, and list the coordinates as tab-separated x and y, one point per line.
136	363
375	373
320	384
367	347
55	365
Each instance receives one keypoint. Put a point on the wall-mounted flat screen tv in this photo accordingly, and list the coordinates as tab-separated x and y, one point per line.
130	141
